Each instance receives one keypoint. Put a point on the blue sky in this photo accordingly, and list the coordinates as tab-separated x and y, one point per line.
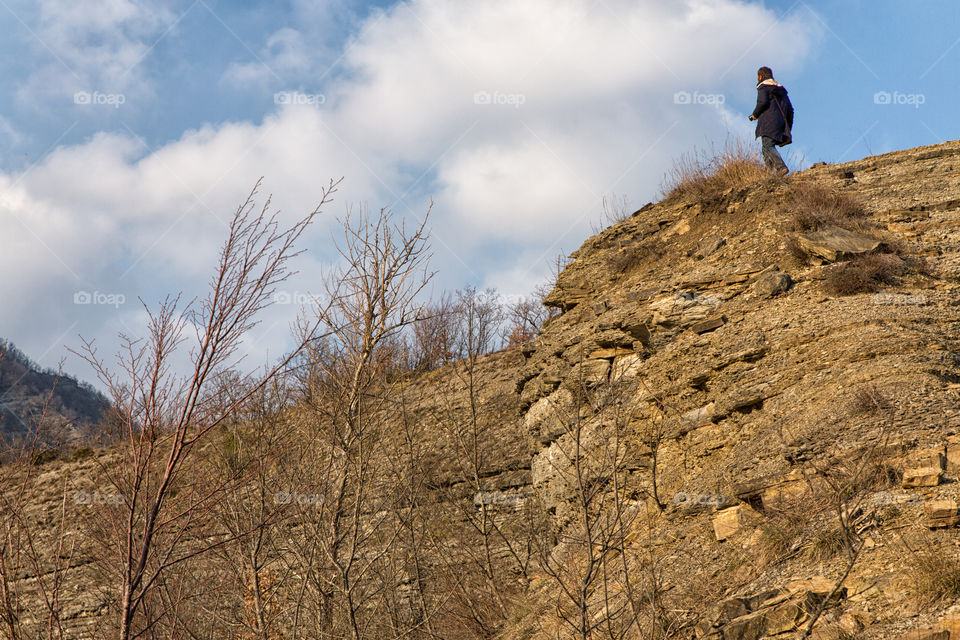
910	49
130	130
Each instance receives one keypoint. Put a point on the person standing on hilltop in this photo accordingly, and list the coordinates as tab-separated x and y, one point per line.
774	116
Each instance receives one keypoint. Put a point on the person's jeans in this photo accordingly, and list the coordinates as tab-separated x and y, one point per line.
771	157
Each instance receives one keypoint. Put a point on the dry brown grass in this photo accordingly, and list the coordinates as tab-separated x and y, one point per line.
815	206
700	176
937	578
826	543
629	258
869	399
775	543
616	209
796	251
864	274
784	529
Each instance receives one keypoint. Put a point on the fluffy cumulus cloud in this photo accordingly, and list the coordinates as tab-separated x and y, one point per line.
515	118
533	111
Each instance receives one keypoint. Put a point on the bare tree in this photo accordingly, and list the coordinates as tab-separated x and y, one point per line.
25	548
256	442
526	317
371	299
411	598
490	562
434	336
601	585
479	317
843	485
160	517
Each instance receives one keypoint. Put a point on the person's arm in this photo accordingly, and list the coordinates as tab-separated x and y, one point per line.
763	102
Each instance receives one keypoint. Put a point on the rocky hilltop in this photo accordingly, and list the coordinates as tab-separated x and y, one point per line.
763	399
743	424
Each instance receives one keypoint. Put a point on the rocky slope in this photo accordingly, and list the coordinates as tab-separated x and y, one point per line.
758	381
776	456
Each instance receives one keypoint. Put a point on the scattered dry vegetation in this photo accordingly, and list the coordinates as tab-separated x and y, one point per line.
702	176
864	274
633	256
340	501
936	577
816	206
326	509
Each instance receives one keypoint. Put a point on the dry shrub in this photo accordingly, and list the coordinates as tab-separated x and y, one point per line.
864	274
869	399
616	209
527	317
784	528
775	543
43	456
796	250
701	176
826	543
816	206
630	258
920	266
936	576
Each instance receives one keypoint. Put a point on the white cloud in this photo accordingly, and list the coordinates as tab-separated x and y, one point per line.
286	54
294	56
581	106
9	133
580	103
90	46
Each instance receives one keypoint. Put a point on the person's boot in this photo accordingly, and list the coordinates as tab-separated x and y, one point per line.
782	171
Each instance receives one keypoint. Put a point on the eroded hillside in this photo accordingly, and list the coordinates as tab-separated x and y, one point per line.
764	400
743	425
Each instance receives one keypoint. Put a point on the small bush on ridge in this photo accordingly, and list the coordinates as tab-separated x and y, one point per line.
701	175
864	274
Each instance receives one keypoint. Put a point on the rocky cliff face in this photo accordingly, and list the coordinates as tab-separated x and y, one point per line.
752	391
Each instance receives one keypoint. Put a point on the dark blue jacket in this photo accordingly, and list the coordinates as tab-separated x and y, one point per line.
772	120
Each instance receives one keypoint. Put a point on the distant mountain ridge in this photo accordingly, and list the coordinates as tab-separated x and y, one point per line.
75	408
